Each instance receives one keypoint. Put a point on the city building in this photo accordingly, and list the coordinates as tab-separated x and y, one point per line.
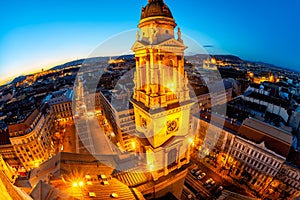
120	117
61	104
78	176
161	98
258	152
213	134
210	64
31	139
220	93
253	153
250	140
10	156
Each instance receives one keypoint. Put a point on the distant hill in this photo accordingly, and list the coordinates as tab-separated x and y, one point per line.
18	79
126	57
94	59
68	64
277	67
198	57
230	58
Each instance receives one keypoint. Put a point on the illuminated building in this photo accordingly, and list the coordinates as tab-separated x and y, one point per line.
210	64
78	176
115	61
286	182
161	98
120	119
218	97
258	153
61	104
32	138
213	134
9	155
254	153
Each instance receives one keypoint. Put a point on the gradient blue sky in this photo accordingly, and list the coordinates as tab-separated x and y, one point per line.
41	34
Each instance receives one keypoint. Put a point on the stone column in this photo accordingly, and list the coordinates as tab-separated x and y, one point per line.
140	72
137	74
180	76
147	74
152	74
162	75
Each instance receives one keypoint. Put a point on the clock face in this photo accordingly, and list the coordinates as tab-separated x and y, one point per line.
172	125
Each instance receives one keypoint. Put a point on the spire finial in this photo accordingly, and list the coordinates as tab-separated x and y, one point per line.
149	1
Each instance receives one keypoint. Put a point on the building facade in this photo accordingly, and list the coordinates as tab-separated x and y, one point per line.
161	98
61	104
253	153
32	139
286	184
120	119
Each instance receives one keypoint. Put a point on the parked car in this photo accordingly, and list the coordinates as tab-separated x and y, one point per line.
194	170
210	184
190	196
198	173
208	181
201	176
220	188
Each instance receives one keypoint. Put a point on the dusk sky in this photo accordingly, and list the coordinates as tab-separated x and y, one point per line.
42	34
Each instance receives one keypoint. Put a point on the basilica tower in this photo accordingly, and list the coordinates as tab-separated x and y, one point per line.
161	97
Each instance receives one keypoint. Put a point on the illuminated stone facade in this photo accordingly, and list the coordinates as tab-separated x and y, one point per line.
253	163
210	135
210	64
9	155
33	142
121	121
253	154
161	96
286	183
61	104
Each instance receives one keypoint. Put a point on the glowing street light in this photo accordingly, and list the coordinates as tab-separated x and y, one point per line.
75	184
80	183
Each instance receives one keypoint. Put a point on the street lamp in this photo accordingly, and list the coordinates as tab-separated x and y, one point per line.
80	183
75	184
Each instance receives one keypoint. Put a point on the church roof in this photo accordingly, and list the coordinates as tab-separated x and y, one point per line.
156	8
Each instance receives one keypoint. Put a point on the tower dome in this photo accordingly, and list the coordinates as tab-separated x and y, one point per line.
156	8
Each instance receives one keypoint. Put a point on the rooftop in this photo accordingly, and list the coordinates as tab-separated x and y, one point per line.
64	169
275	139
156	8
